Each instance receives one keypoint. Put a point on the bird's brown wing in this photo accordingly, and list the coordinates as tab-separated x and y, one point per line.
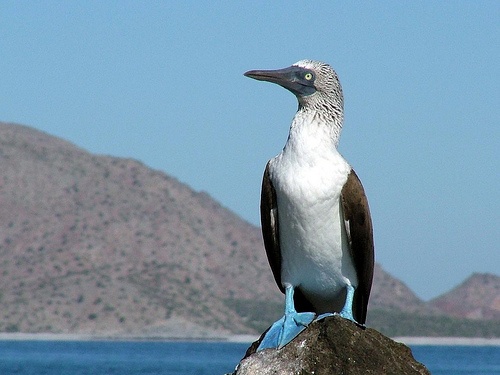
360	232
270	230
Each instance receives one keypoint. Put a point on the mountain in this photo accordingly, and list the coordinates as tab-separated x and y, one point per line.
95	243
389	293
99	244
476	298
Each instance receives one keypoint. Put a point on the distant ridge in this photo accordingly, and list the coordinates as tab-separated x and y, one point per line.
92	244
95	243
476	298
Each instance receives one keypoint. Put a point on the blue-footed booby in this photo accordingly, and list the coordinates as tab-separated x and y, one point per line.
315	218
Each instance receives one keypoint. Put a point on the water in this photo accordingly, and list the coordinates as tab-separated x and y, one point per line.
124	358
470	360
188	358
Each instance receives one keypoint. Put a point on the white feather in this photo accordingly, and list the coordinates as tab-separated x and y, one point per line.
308	176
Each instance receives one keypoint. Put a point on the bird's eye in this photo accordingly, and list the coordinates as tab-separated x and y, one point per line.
308	76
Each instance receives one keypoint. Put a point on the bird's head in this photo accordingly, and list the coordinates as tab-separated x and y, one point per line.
315	84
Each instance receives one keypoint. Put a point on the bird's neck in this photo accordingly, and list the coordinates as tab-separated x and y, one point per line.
314	131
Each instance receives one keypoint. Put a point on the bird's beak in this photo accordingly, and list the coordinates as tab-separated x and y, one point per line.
280	76
275	76
290	78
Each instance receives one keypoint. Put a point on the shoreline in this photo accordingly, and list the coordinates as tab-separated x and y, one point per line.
407	340
448	341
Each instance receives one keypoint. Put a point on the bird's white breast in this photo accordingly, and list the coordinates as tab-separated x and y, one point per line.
308	176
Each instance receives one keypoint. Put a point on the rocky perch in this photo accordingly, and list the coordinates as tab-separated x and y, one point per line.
333	346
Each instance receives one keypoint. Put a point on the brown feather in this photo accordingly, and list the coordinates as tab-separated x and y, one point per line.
357	214
270	230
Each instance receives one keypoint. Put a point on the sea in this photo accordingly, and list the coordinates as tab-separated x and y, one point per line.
195	358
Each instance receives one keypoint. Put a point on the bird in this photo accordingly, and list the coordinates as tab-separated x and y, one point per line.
316	222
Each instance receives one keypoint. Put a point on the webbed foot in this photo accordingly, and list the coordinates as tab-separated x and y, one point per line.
286	329
346	311
289	326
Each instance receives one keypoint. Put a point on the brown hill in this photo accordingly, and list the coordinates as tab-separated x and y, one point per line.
93	244
476	298
389	293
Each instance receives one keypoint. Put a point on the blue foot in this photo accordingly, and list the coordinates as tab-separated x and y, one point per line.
346	311
285	330
288	327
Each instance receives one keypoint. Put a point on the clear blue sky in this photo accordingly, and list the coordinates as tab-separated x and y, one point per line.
162	82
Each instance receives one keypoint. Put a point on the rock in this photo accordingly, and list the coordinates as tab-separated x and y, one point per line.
333	346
